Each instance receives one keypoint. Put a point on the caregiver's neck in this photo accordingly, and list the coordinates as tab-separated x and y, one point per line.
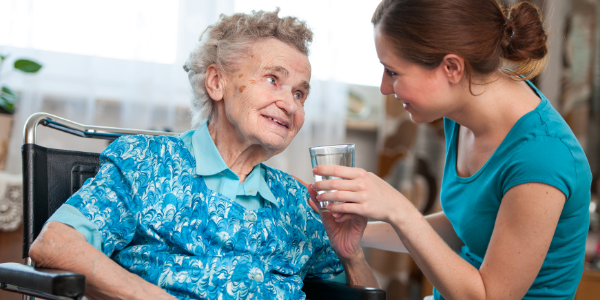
238	152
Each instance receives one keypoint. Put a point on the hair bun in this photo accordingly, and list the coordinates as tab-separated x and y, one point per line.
523	36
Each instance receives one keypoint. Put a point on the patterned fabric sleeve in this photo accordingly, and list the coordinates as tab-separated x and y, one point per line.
109	200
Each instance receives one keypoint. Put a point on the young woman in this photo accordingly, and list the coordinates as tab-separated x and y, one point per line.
516	186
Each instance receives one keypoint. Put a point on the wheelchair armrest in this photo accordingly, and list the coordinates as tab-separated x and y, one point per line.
316	289
46	281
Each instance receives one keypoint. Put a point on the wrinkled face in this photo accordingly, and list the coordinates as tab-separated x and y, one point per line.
264	99
422	91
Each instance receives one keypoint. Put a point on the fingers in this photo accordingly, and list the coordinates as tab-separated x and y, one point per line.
340	171
338	185
312	204
346	208
341	196
311	192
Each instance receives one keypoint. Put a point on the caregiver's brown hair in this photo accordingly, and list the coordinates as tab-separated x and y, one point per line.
479	31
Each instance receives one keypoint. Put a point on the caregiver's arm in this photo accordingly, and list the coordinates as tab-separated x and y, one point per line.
523	231
381	235
59	246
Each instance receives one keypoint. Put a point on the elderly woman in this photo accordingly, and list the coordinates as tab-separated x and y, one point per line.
199	215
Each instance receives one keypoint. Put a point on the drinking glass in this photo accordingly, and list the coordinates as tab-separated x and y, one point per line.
341	155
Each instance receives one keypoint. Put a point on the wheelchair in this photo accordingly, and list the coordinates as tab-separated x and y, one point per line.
51	176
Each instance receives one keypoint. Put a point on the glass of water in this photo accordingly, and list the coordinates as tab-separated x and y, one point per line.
341	155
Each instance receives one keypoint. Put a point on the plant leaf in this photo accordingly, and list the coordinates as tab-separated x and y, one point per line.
7	105
27	66
6	90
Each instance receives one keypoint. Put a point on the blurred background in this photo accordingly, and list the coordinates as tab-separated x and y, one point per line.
119	63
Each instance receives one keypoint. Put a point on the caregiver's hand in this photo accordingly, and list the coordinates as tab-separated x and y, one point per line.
364	193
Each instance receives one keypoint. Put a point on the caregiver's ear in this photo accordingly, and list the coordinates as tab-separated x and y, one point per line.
453	67
214	82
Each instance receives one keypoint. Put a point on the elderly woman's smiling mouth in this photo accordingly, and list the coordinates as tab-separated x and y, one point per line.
279	121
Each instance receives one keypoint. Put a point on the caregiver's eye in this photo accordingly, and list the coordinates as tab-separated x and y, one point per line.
271	80
390	73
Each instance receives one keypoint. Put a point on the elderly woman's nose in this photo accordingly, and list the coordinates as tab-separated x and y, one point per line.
287	103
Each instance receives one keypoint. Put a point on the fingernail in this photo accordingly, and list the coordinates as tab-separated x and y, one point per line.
318	197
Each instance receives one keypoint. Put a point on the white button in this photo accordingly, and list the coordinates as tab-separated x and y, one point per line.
250	217
257	277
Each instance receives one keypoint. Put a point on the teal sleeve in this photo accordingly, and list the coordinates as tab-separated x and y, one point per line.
543	159
69	215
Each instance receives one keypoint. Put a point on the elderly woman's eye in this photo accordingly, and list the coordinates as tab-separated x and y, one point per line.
298	95
271	80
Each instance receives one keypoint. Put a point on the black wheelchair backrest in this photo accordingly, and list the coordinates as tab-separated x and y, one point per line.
51	176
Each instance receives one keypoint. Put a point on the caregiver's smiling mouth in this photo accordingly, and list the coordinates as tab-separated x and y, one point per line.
404	103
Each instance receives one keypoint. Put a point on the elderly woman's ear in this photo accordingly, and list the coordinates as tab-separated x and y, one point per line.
215	82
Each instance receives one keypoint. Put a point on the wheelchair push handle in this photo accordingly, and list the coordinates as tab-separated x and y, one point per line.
74	128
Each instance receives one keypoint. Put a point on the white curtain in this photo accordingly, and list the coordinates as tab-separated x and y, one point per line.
109	75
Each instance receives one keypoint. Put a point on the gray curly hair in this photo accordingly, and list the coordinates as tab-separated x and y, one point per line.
223	42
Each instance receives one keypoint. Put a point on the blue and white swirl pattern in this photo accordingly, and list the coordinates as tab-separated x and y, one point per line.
160	221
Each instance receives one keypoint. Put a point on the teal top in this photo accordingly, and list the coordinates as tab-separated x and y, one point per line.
210	165
539	148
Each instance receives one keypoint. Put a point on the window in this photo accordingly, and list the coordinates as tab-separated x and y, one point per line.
144	30
343	48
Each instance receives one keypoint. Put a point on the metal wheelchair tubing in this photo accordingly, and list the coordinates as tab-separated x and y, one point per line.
31	294
81	130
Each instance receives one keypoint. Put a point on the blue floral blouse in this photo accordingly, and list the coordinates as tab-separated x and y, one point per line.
158	220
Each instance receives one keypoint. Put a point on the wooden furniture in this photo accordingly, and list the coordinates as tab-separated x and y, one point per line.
11	215
589	287
10	251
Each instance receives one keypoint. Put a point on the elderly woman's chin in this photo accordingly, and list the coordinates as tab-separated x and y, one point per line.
275	140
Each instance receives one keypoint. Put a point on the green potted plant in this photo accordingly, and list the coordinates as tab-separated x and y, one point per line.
8	97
